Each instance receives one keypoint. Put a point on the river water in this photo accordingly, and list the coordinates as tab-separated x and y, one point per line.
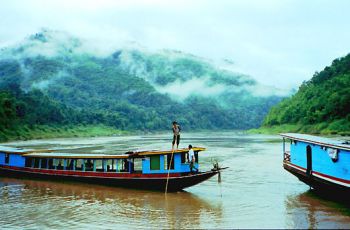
255	191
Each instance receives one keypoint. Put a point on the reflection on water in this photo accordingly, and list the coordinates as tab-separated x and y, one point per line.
309	210
255	191
78	205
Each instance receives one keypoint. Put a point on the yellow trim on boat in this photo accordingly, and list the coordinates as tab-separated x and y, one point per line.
51	154
162	152
75	156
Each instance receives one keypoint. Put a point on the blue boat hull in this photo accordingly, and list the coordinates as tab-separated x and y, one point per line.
318	184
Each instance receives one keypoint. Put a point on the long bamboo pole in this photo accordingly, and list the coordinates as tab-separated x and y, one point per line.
171	159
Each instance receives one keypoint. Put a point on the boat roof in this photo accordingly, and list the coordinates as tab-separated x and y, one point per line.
76	155
162	152
129	154
318	140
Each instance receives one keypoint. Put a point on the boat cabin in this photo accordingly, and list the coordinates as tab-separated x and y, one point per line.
144	162
317	159
14	156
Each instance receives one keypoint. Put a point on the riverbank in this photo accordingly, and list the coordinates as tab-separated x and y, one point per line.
45	131
338	127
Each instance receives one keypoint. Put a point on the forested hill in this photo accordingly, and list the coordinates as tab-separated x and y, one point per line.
322	104
53	78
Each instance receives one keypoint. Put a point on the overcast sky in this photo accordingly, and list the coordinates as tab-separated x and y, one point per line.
278	42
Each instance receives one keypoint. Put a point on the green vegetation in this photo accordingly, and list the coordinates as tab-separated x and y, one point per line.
51	81
340	127
53	131
322	105
34	115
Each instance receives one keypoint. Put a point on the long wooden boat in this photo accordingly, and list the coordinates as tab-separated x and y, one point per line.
152	170
321	163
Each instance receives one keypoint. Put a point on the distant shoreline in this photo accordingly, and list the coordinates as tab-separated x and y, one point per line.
46	132
71	131
24	133
339	127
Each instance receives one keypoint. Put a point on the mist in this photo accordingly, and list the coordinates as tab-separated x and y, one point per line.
179	90
278	43
45	84
142	62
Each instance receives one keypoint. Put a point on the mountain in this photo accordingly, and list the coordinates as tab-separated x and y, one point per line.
321	104
129	88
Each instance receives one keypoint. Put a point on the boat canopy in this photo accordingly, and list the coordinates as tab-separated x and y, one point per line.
317	140
75	156
162	152
134	154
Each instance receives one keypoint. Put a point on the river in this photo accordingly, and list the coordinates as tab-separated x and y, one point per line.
255	191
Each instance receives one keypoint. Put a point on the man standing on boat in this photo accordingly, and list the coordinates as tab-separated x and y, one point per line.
176	132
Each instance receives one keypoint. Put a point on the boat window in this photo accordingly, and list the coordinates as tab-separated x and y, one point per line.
125	166
36	162
43	163
7	158
69	164
168	158
51	166
137	165
155	162
196	157
59	164
28	162
99	165
184	157
110	165
89	165
55	163
79	164
131	165
120	165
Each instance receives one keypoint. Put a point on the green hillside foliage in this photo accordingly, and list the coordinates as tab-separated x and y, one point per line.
34	115
322	103
46	81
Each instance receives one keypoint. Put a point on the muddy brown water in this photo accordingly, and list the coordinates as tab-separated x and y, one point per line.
255	191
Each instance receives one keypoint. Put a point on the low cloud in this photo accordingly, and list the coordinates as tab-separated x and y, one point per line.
51	43
180	90
44	84
141	62
267	91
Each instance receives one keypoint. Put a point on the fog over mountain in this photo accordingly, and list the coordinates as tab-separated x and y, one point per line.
137	61
278	43
132	87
